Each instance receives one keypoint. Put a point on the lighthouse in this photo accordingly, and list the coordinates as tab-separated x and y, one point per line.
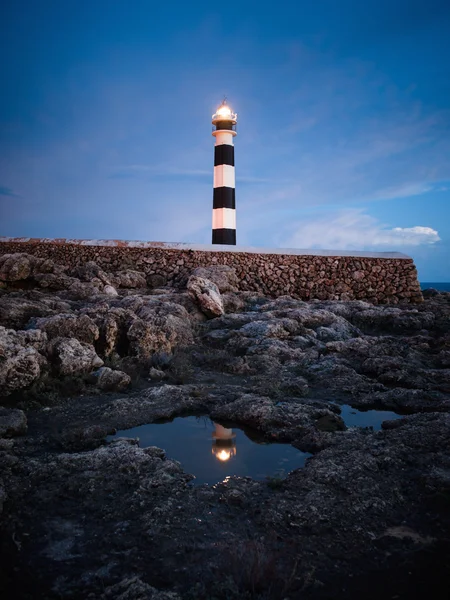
224	198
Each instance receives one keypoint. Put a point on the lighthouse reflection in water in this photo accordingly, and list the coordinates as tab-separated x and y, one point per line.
212	452
224	443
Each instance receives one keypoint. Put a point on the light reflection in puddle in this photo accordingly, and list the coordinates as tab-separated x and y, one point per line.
366	418
212	452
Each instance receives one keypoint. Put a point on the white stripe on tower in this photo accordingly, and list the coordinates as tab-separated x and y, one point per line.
224	203
224	176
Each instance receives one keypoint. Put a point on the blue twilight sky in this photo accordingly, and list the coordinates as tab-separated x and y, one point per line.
344	121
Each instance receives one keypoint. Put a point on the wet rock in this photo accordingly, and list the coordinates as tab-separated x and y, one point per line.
401	399
70	357
13	422
282	421
393	423
207	295
330	422
108	379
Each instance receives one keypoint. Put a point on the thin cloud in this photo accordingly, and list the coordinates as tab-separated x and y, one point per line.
353	229
405	191
162	170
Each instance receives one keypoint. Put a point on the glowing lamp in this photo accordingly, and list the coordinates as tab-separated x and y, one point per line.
224	111
223	455
223	443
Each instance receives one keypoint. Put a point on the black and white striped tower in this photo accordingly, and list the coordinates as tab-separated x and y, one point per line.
224	200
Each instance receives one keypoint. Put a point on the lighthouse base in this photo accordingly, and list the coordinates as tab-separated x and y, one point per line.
224	236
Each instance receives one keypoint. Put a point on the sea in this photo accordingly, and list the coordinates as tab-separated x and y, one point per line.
440	286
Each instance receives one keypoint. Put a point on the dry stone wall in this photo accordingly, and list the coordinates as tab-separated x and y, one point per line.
377	278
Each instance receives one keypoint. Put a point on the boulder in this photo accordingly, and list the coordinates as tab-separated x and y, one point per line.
22	266
15	267
146	339
222	275
185	300
12	422
156	281
129	279
34	338
71	357
109	290
109	380
16	311
91	271
156	374
20	365
66	325
82	290
233	302
330	422
54	281
159	327
109	332
207	295
113	324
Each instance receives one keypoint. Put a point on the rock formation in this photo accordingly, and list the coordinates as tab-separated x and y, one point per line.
87	516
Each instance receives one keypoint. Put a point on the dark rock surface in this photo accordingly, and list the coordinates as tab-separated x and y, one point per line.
12	422
367	517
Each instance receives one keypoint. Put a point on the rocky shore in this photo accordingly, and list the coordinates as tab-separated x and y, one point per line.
85	352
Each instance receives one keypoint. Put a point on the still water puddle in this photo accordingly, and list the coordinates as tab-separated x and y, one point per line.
366	418
212	452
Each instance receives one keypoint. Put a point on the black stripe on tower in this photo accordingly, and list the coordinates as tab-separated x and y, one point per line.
223	155
224	236
224	197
